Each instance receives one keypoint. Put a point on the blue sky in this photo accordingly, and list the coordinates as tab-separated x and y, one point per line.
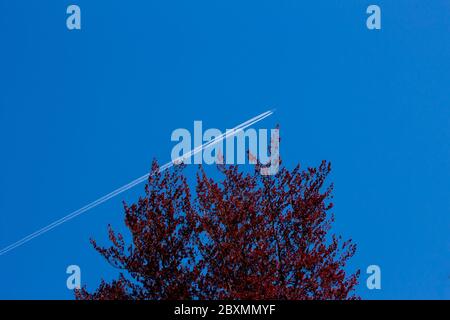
84	112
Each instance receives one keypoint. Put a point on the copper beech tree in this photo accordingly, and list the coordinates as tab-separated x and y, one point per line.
246	237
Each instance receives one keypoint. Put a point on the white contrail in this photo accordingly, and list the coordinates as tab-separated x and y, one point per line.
135	182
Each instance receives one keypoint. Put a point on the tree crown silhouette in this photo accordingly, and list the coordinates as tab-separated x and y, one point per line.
245	237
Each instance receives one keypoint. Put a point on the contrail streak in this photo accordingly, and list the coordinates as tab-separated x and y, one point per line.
135	182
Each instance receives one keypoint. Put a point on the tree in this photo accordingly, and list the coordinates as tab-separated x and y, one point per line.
246	237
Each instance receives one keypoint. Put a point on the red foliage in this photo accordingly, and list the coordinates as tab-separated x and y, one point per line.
247	237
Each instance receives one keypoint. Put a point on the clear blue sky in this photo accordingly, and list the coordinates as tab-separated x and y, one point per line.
84	112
